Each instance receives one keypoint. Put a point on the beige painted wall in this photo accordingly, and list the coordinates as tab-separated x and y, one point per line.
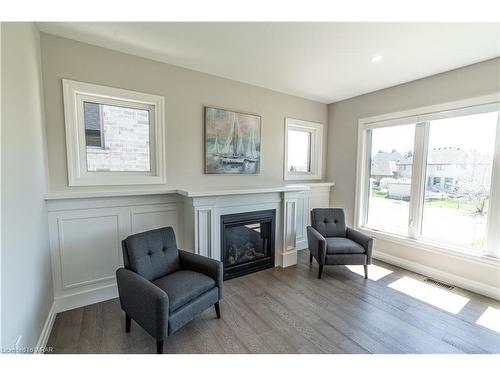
26	274
474	80
186	92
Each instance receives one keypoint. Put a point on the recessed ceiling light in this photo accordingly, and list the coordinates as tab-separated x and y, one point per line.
377	58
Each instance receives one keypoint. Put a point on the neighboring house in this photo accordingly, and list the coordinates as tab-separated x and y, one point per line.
449	167
111	132
449	170
384	164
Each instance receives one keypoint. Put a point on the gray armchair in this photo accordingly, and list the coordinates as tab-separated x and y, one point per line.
161	287
331	242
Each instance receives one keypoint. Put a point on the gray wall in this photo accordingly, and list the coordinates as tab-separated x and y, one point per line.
186	92
26	275
473	80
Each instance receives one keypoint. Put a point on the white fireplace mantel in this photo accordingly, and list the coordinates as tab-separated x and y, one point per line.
186	191
86	228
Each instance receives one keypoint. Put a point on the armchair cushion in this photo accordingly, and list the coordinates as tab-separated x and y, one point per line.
340	245
184	286
330	222
152	254
202	264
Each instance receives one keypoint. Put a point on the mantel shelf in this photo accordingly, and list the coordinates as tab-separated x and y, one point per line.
192	192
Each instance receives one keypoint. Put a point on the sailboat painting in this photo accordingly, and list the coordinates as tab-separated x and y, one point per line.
232	142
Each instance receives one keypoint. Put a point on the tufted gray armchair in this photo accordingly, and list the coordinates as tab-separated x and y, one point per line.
331	242
161	287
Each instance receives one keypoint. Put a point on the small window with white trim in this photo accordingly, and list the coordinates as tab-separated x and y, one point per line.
113	136
303	149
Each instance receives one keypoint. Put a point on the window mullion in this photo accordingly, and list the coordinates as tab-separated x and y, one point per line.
493	234
366	176
418	179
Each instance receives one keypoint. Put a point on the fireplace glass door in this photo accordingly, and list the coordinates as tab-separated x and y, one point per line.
247	242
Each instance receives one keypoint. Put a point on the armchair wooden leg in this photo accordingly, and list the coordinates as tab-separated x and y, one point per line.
217	309
366	271
320	271
128	321
310	258
159	346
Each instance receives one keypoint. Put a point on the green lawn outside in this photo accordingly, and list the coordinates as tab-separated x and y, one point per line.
452	203
441	203
377	193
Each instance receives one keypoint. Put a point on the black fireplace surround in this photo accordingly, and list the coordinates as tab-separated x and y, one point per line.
247	242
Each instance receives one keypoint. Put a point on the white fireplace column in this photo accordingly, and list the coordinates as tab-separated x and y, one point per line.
295	213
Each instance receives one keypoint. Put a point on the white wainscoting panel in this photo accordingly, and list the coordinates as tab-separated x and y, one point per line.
85	242
78	250
144	218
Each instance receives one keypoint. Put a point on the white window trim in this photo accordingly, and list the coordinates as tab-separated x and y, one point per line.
421	117
74	93
316	162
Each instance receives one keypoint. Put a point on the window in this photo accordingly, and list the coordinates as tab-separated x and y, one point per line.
456	210
116	138
303	149
449	197
113	136
299	160
388	201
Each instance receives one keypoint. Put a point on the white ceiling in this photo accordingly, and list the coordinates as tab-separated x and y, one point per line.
326	62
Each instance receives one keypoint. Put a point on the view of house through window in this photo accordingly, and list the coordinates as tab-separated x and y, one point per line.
458	179
453	192
390	177
299	150
117	138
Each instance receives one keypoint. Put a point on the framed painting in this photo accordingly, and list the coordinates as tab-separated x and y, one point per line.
232	142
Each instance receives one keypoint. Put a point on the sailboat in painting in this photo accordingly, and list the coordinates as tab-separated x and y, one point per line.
251	151
232	152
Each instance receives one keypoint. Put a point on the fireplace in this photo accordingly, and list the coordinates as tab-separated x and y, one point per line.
247	242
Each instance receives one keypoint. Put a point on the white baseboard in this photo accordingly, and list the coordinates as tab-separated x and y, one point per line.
289	258
88	297
461	282
47	328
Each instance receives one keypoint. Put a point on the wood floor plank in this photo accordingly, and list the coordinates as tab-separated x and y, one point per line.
292	311
424	316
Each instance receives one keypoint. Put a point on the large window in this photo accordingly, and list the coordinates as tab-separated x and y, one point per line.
303	149
113	136
433	176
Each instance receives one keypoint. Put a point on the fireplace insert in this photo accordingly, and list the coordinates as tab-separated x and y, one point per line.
247	242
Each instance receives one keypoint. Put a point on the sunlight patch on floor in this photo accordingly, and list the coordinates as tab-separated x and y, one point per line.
430	294
374	272
490	319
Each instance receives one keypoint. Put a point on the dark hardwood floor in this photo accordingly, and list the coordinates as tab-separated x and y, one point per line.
291	311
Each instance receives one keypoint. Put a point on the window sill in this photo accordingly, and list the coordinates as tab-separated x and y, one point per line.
302	177
455	252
